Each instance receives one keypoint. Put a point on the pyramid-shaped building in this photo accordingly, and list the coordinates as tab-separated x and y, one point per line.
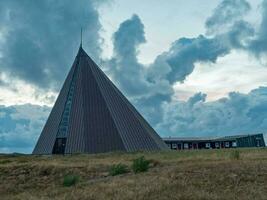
91	115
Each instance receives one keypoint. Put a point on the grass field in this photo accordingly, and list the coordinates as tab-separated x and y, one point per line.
203	174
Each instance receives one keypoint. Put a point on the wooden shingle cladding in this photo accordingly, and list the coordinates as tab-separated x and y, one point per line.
101	119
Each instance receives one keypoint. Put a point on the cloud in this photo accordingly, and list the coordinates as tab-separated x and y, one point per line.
226	14
124	67
198	97
149	87
146	88
258	46
233	115
236	114
20	127
128	37
185	52
41	40
42	37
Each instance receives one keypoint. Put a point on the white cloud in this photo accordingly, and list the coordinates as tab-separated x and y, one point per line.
17	92
237	71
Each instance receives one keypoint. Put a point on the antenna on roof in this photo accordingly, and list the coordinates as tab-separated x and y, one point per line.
81	36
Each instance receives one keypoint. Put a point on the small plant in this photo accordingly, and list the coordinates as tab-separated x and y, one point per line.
70	180
235	155
140	165
118	169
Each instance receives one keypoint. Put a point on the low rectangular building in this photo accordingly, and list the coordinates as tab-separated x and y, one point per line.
179	143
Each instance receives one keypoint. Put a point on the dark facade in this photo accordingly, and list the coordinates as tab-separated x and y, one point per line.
92	116
254	140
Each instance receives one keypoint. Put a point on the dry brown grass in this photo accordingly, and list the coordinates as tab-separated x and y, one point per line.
205	174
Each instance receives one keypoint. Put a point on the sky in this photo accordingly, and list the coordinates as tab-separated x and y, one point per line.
192	68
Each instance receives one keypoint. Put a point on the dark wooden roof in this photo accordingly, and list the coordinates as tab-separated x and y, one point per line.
95	116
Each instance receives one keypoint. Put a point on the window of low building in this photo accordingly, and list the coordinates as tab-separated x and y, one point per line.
227	144
217	144
186	146
234	144
174	146
258	143
207	145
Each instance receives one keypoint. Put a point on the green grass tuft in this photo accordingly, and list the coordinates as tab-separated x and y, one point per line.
118	169
70	180
140	165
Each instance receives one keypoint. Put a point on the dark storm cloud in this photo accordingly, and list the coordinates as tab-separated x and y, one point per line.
179	61
185	52
226	13
125	69
128	37
259	45
198	97
239	37
150	86
42	38
233	115
2	83
20	127
147	89
239	113
227	18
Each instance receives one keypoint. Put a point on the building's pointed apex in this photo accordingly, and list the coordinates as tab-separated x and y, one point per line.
81	44
81	51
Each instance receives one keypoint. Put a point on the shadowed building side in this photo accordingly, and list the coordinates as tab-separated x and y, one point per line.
92	116
99	132
140	136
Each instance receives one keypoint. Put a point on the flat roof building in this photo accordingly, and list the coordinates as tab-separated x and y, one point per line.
249	140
